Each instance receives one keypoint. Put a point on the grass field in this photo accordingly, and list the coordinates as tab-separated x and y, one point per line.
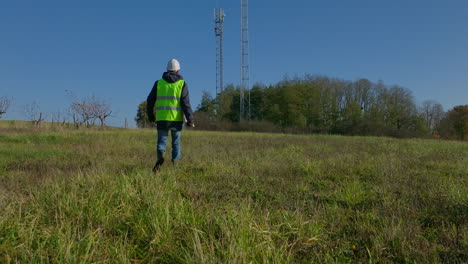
88	196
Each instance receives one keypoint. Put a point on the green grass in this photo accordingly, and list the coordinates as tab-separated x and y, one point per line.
84	196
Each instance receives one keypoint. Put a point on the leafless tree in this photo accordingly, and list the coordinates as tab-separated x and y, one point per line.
58	118
4	104
433	113
88	109
73	116
78	110
33	113
84	110
100	110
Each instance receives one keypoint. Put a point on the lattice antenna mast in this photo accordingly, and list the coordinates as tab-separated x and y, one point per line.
245	72
219	20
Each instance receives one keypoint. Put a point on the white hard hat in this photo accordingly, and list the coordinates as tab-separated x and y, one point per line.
173	65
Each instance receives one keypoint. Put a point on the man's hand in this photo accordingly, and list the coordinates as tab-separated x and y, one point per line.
190	124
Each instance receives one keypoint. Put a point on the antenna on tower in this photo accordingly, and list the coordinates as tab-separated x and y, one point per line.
219	20
245	72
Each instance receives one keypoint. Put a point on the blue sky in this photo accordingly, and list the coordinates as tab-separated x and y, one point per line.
116	49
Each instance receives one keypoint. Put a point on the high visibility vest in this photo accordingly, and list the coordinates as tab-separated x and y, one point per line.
168	106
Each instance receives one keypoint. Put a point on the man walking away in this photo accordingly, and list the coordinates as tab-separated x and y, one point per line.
171	96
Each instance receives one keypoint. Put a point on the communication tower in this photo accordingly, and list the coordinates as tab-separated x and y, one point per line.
245	72
219	19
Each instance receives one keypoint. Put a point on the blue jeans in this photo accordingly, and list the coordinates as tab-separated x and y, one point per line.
162	141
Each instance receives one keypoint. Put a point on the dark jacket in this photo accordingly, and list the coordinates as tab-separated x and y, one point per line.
170	77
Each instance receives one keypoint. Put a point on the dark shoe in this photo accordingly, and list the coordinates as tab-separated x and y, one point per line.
158	165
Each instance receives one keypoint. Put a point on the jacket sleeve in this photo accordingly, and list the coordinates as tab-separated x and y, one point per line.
185	103
150	101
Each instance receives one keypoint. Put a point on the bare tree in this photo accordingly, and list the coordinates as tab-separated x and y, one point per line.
58	118
4	104
55	117
87	110
433	113
83	109
71	114
33	113
100	110
78	111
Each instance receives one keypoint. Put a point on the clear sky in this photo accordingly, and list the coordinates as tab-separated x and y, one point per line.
116	49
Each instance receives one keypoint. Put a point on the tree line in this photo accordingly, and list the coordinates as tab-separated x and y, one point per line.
320	104
82	112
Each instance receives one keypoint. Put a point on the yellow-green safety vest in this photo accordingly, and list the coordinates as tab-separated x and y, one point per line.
168	106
